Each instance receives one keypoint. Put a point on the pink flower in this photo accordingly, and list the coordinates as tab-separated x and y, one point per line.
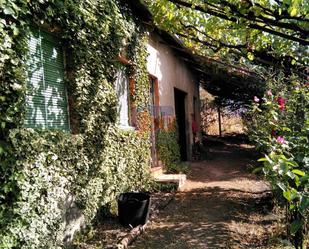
281	103
269	93
256	99
281	140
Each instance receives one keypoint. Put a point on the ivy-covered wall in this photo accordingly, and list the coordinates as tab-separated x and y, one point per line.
41	169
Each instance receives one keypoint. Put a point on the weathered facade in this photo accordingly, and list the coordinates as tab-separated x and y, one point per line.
178	86
79	96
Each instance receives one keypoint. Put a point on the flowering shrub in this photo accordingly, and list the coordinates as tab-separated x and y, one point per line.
280	127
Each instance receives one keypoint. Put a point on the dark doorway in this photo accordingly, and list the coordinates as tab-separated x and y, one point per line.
154	104
180	112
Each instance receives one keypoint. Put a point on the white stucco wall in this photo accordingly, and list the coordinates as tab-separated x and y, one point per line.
172	72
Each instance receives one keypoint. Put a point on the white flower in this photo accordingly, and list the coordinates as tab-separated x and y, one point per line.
16	87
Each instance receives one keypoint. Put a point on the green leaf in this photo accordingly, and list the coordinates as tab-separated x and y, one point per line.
304	203
286	129
250	56
298	172
293	11
287	195
304	179
268	159
297	181
294	194
290	194
291	163
280	11
295	226
256	170
264	159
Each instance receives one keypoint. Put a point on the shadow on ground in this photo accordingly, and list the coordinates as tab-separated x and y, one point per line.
210	218
222	205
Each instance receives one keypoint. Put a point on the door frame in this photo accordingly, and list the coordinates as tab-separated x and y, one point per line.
183	126
154	112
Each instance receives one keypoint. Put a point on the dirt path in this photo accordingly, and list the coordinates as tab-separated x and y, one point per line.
222	206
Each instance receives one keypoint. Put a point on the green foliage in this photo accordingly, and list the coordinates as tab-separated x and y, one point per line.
280	126
239	40
167	187
168	147
233	30
178	167
140	54
41	169
169	151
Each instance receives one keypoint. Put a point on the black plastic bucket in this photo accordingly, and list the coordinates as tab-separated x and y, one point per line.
133	208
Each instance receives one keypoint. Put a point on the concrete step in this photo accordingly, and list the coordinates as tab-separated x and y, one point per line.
180	179
156	171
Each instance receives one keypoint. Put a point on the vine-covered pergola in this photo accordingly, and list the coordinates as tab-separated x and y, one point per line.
255	50
236	44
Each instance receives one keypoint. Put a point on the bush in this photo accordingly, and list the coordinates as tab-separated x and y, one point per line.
169	151
280	129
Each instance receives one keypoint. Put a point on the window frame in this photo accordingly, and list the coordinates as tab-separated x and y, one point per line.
125	65
45	34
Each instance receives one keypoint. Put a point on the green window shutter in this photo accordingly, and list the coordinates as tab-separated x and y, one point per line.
122	89
46	94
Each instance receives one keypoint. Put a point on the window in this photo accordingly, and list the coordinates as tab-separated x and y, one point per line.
122	89
46	99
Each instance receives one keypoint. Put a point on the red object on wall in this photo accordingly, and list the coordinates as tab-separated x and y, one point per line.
194	126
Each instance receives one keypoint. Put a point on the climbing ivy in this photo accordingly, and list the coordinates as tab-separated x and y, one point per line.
41	169
169	150
142	86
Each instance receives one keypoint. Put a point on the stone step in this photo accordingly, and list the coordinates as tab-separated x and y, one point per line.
180	179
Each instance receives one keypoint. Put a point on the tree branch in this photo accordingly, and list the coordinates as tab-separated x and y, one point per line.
235	20
223	44
252	17
262	57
